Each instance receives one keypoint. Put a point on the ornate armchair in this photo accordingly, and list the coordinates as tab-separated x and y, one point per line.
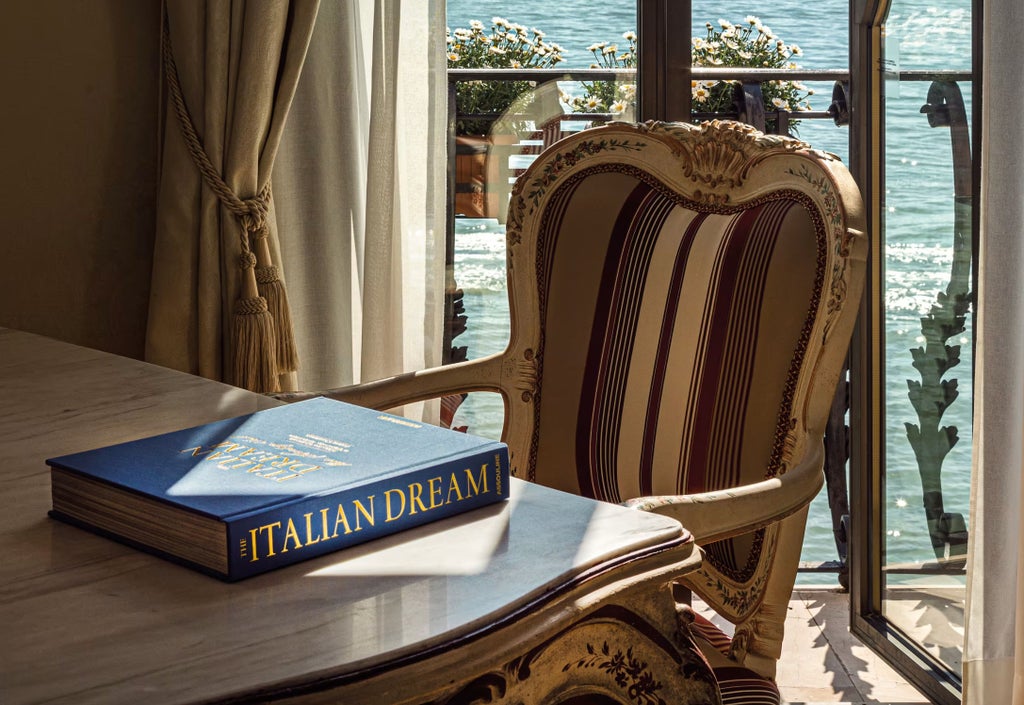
682	299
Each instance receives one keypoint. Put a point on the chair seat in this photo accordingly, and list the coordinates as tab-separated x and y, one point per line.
741	686
738	685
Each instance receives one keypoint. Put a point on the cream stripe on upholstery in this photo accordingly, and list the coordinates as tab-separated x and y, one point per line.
677	305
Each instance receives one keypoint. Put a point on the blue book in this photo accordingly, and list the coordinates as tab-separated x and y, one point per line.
242	496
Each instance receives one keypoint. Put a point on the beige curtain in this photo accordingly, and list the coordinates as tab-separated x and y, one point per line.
994	625
237	64
359	187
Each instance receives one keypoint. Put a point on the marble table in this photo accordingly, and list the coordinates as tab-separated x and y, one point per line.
546	598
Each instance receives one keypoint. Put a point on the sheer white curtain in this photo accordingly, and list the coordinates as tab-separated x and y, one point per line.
994	639
360	179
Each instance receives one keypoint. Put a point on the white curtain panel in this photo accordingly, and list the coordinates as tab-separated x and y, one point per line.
360	184
994	633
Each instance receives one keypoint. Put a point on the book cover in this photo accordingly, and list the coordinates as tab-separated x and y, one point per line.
245	495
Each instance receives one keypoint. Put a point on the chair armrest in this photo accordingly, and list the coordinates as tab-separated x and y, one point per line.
712	516
481	375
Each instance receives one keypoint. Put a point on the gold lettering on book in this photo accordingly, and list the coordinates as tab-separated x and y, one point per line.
399	421
290	534
497	473
453	486
355	514
341	518
224	447
255	461
309	529
259	531
435	492
390	514
416	497
482	477
440	491
361	511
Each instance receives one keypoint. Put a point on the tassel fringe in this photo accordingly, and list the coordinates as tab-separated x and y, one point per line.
272	289
255	363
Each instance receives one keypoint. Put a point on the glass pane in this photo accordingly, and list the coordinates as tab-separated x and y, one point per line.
928	325
799	27
796	24
521	117
586	35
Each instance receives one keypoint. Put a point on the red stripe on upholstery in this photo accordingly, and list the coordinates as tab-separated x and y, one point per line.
715	327
744	322
546	244
741	686
727	353
660	370
709	632
613	333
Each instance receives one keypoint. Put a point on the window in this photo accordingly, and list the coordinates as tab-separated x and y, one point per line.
913	367
910	65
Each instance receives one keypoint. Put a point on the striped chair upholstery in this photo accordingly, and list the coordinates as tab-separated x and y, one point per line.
682	299
674	332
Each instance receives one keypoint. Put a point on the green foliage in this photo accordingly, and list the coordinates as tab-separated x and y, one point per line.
506	46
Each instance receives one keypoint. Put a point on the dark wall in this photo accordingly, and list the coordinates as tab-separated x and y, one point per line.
78	139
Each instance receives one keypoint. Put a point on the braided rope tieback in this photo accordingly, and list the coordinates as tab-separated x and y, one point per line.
262	333
271	287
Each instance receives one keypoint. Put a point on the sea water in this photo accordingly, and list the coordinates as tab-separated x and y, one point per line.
920	35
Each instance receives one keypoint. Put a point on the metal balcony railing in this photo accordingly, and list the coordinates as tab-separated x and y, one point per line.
750	78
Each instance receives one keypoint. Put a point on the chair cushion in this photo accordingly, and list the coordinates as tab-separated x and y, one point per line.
741	686
738	685
705	629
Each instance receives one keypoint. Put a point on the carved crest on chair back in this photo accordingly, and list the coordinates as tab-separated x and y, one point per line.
719	154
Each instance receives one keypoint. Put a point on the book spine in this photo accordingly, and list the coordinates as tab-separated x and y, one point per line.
320	525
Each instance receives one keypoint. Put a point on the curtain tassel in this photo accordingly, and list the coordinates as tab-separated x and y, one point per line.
271	288
255	362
